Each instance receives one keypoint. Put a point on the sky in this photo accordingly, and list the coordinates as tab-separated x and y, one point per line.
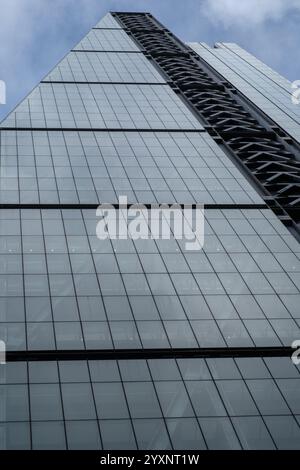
36	34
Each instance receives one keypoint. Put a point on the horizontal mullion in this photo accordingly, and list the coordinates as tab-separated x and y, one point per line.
100	83
97	129
108	51
147	206
119	354
115	28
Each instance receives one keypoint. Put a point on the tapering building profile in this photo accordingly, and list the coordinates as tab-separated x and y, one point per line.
123	344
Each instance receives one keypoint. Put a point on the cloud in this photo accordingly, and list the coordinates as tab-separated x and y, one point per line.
245	13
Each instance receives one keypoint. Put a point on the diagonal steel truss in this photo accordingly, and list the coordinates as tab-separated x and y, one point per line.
269	156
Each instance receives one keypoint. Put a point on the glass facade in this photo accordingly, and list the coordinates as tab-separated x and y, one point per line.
88	323
90	167
105	67
193	404
241	290
107	40
102	106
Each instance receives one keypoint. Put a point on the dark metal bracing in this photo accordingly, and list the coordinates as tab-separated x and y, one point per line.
269	156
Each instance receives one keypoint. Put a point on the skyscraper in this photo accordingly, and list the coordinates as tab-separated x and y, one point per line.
126	344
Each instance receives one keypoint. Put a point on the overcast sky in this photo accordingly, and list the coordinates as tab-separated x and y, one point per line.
36	34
